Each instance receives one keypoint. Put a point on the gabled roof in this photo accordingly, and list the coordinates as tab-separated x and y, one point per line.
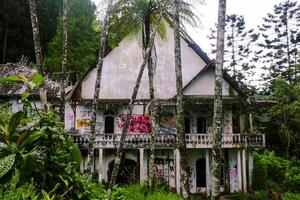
226	76
208	63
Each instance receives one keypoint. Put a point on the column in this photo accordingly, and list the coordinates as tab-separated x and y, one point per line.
142	166
244	170
177	170
86	161
82	164
207	171
239	169
100	166
250	168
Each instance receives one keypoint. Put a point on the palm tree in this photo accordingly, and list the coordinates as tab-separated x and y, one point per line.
179	105
37	48
146	56
99	66
217	119
64	61
141	16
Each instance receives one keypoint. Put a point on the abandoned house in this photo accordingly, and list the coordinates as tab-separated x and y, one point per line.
120	69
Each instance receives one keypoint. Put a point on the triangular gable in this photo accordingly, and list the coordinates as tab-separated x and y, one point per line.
121	66
204	82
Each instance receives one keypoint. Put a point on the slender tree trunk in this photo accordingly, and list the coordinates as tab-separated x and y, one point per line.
99	67
152	110
120	152
5	42
218	111
37	48
64	61
185	170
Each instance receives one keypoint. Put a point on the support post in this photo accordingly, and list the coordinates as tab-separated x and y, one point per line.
251	122
208	186
142	166
177	170
239	168
100	166
86	160
250	168
244	170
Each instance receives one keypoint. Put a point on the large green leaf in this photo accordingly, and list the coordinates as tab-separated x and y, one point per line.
34	136
6	164
76	155
37	79
15	121
10	79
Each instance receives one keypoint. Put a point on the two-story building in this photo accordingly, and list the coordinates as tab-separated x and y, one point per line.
120	69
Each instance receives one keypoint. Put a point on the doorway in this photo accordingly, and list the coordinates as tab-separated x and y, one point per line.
201	172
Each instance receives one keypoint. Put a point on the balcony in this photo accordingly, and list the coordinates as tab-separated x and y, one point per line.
170	140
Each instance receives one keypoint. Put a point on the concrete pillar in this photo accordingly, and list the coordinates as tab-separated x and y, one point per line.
100	166
250	169
177	170
239	169
207	171
86	161
82	164
244	170
251	122
142	166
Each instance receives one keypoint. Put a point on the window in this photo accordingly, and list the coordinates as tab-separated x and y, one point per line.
201	125
187	125
109	124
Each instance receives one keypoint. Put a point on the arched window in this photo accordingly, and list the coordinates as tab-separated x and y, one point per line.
109	124
187	125
201	125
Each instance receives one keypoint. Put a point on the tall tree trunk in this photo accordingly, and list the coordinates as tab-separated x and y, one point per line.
37	48
64	61
152	110
218	111
99	67
147	54
179	106
5	42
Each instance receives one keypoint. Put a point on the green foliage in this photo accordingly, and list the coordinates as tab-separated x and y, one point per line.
6	164
281	121
142	192
83	41
132	17
19	38
274	172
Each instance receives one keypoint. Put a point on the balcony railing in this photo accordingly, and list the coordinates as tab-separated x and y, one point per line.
170	140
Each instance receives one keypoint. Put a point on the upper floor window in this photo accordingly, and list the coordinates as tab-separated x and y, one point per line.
187	125
201	125
109	124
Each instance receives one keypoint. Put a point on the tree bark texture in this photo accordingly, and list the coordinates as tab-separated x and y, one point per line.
99	67
37	48
120	150
185	170
151	108
64	61
218	110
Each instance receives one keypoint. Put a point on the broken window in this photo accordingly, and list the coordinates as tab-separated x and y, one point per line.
201	125
187	125
109	124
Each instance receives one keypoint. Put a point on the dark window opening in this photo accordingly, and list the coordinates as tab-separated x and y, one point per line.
201	172
201	125
109	124
222	173
187	125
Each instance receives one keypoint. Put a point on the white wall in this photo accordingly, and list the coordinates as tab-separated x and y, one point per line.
121	66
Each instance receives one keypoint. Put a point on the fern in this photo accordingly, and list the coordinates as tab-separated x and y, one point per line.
6	164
